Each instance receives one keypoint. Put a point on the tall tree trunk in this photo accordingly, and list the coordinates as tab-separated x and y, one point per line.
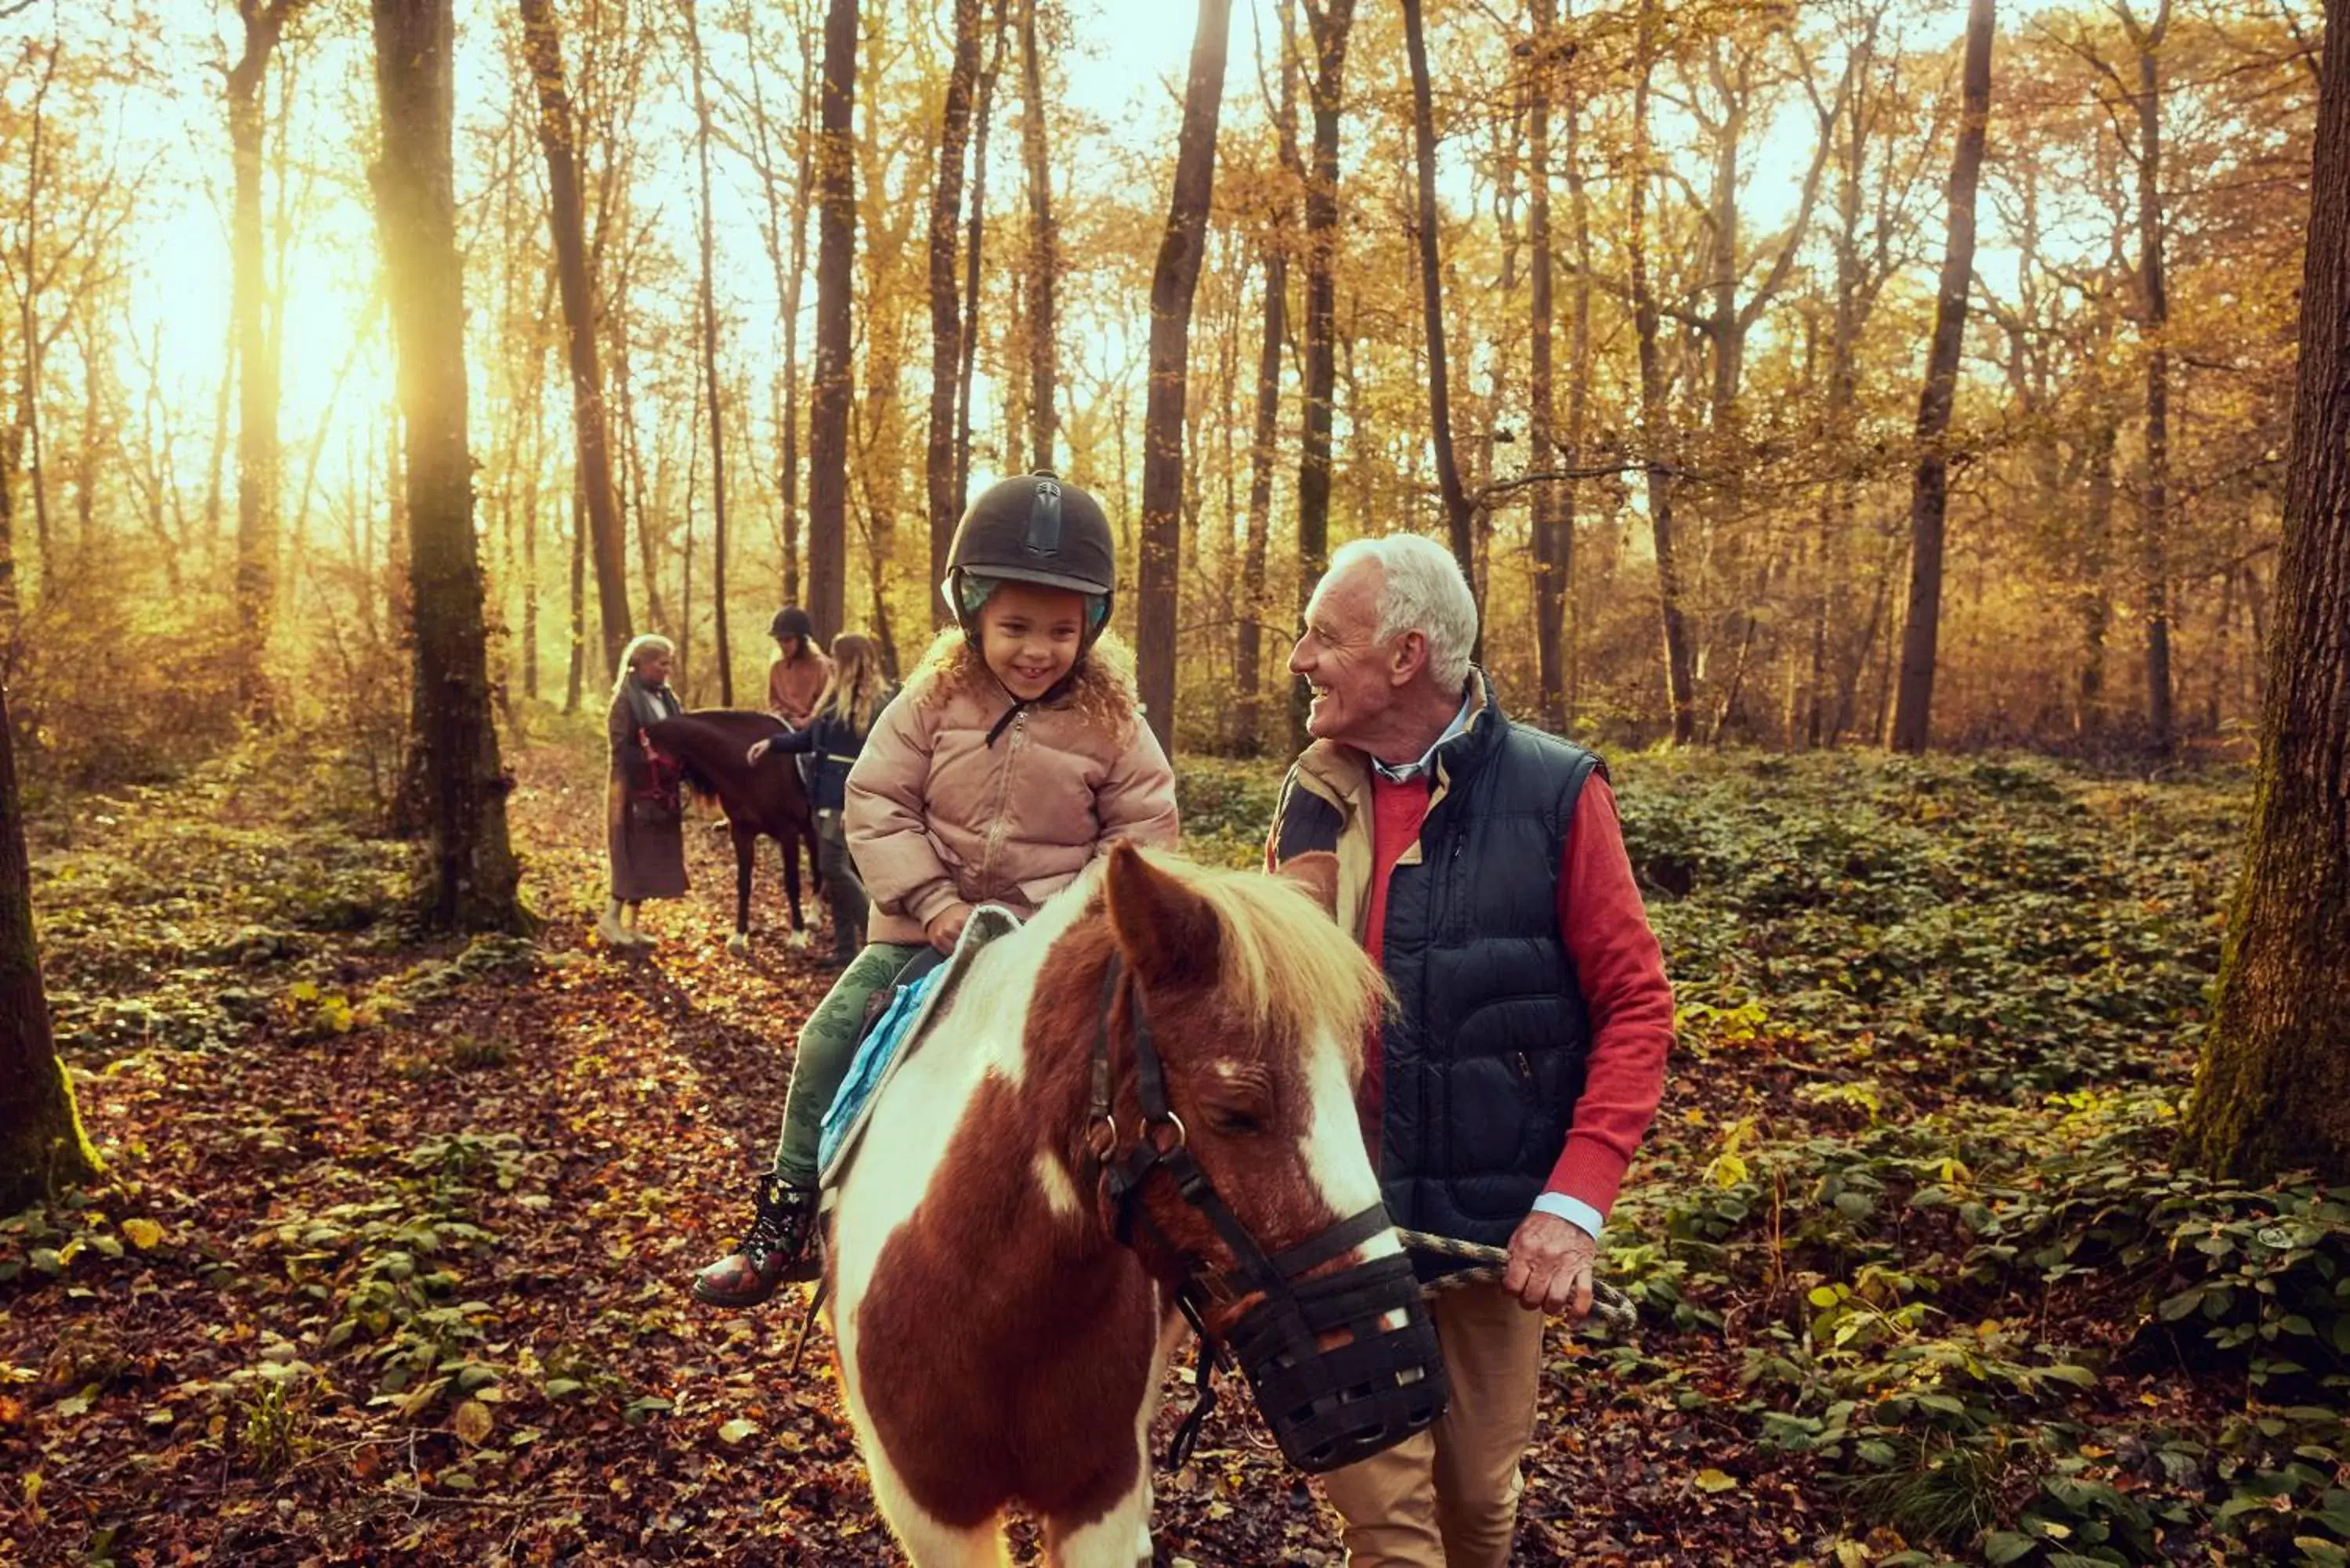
257	456
788	276
974	245
1173	281
1457	519
1332	21
1929	491
2095	606
1578	409
1248	732
944	496
836	175
1044	247
2273	1091
558	137
473	877
1552	545
574	675
713	394
2154	522
1655	416
42	1144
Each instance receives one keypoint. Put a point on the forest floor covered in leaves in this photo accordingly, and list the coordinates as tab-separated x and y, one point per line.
391	1264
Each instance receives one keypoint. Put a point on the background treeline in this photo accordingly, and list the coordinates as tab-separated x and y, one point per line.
1719	223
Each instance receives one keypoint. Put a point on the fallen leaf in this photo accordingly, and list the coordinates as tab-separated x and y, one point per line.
1715	1481
142	1233
738	1430
473	1422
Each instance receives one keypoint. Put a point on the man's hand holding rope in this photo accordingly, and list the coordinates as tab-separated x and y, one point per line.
1550	1266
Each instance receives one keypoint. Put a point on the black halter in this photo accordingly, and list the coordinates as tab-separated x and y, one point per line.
1382	1382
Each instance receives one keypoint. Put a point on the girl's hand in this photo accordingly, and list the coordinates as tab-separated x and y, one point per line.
758	749
945	927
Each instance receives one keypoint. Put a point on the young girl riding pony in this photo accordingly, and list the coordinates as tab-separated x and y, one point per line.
1013	756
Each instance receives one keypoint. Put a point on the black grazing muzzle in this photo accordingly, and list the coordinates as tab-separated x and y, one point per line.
1345	1364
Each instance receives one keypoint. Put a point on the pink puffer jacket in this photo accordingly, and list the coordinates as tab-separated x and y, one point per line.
937	816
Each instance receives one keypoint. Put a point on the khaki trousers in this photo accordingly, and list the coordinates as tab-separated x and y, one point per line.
1447	1498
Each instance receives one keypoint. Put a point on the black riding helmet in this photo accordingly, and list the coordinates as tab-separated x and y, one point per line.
792	622
1032	529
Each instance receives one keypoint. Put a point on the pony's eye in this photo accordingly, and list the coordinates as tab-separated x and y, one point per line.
1233	1123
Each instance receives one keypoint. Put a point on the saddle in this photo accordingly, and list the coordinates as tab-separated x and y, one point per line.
897	1021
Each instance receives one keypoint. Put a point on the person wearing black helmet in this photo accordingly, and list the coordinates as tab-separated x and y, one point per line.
796	677
1013	756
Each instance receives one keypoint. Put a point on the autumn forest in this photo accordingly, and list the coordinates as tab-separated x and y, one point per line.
1907	440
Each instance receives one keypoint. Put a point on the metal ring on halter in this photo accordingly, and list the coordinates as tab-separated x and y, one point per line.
1101	1138
1171	1119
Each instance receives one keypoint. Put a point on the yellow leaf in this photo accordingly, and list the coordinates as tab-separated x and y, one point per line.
738	1430
1713	1480
142	1233
473	1422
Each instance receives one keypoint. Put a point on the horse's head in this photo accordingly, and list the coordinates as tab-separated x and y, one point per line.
1231	1156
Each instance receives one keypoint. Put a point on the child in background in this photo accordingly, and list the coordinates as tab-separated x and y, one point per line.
828	748
1019	709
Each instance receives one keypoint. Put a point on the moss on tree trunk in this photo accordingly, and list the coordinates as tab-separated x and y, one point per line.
42	1144
2273	1092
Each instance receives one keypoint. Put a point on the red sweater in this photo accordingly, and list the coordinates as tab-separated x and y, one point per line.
1617	963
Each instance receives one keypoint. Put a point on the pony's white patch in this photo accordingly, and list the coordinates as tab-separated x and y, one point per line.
1060	1192
1332	1142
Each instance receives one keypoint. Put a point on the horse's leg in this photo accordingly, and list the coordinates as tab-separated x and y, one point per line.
1122	1538
931	1542
791	842
745	840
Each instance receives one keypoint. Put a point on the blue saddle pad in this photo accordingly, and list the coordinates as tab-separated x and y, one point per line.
871	1065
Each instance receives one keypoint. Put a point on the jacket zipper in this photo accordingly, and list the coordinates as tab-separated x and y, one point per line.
1015	739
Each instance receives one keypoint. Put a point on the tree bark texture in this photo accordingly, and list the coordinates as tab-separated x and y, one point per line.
713	394
2153	303
558	139
42	1144
1457	519
944	492
1173	281
1929	484
835	254
974	247
1331	20
1248	662
472	875
1656	417
257	452
1552	545
2273	1091
1044	247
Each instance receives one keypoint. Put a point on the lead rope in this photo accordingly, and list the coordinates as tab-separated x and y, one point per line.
1608	1305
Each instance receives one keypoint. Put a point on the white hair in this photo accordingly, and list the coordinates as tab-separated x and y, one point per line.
644	642
1420	589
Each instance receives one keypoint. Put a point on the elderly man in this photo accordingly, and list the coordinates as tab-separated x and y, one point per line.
1482	865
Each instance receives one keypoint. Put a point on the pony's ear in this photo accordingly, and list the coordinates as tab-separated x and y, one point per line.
1168	933
1314	874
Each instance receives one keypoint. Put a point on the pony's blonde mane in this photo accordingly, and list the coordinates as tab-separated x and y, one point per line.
1286	961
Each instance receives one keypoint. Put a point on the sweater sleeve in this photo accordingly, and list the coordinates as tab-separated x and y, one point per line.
885	818
1621	973
1136	799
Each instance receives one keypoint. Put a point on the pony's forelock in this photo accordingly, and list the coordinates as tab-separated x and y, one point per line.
1286	962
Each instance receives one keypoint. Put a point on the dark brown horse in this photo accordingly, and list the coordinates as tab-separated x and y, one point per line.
762	801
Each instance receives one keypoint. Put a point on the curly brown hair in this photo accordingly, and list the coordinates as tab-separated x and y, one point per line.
1103	693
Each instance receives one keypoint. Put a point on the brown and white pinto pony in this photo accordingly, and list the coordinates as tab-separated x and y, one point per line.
998	1346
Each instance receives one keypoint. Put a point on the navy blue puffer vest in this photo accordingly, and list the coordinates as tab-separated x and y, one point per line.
1484	1057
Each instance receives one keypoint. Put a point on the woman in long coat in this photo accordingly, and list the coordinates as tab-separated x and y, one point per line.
644	813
